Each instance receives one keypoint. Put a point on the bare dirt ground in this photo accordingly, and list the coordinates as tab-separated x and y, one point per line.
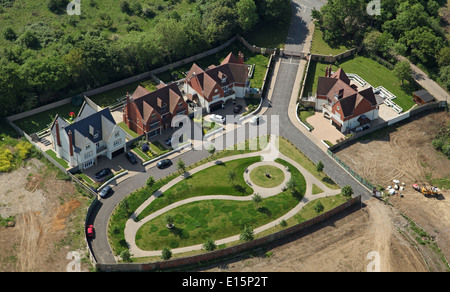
47	212
341	244
407	155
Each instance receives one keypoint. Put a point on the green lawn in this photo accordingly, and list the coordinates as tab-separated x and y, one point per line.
211	181
260	61
289	149
308	211
371	71
320	47
41	121
114	96
126	129
258	176
217	219
60	161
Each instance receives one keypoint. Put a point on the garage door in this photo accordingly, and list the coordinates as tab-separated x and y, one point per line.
215	106
118	152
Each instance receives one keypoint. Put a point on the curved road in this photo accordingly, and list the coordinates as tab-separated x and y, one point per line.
281	98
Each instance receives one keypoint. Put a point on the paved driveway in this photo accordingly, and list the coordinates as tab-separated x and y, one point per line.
301	17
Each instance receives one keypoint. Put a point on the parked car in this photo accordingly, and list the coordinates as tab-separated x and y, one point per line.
131	157
103	173
237	109
217	118
90	231
164	163
256	120
106	191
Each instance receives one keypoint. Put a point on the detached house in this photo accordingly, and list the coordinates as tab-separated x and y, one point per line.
92	134
149	113
211	88
346	105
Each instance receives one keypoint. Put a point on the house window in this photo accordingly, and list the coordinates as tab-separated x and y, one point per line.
117	134
153	116
117	142
154	125
88	146
88	164
88	155
180	104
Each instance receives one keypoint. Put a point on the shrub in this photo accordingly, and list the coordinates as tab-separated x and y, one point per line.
166	253
9	34
438	143
319	166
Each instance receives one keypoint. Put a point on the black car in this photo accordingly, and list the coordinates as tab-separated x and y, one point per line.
164	163
103	173
131	157
237	109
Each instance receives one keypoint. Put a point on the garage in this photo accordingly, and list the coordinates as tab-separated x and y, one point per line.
215	106
118	152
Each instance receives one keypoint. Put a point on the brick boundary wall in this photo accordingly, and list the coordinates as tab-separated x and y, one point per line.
180	263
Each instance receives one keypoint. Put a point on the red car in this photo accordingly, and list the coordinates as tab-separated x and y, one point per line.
90	231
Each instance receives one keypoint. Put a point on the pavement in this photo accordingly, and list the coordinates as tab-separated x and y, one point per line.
426	82
132	226
281	101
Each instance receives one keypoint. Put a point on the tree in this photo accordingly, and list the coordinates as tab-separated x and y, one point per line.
443	57
291	185
9	34
319	166
444	74
257	199
209	245
247	234
341	20
181	166
169	220
403	70
247	15
318	207
126	256
30	40
273	11
166	253
231	175
372	42
424	44
150	181
347	191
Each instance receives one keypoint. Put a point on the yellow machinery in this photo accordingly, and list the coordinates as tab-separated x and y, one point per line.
426	191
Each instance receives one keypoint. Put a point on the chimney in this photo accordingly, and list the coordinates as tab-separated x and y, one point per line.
58	138
240	58
70	143
341	93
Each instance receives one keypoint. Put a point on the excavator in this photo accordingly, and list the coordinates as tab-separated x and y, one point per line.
432	191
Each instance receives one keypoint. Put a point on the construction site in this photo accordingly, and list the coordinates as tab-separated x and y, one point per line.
408	172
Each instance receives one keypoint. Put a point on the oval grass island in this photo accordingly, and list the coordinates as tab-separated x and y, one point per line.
214	202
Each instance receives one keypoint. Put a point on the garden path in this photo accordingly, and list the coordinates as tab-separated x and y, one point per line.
132	226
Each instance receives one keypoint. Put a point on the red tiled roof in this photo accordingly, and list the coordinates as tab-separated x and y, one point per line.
338	90
206	82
